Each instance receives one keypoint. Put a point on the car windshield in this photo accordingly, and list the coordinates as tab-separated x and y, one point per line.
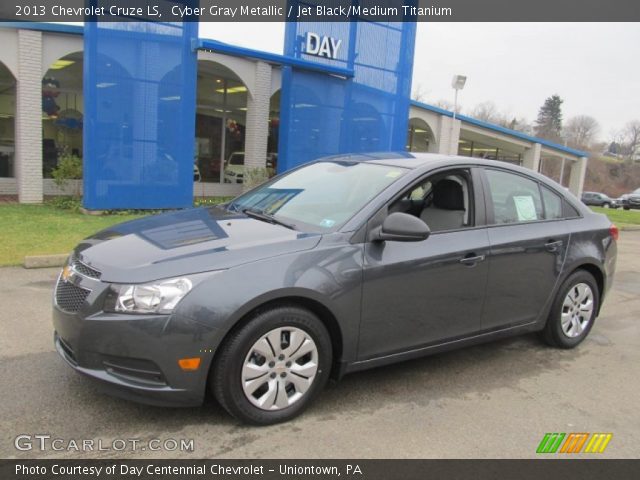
236	159
321	196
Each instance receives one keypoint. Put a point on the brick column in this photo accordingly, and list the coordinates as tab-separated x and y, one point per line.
257	130
576	177
531	157
29	117
448	135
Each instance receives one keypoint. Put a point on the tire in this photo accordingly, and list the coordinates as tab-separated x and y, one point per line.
578	318
248	362
627	208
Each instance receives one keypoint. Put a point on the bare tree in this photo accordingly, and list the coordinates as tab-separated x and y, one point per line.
520	124
419	95
447	105
580	131
632	139
487	112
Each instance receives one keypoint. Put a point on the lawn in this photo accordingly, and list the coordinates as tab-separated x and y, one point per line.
44	229
620	216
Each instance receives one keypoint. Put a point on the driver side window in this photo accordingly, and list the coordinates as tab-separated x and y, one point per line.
442	201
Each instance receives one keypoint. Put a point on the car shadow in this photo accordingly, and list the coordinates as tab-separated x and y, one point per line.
54	399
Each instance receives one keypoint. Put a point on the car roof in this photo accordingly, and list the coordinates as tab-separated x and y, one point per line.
431	161
415	160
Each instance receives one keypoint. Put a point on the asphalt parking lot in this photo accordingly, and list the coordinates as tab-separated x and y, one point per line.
493	400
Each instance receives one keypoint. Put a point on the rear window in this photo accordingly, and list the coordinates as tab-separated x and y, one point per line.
552	204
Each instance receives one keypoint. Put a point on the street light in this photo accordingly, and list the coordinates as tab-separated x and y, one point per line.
457	83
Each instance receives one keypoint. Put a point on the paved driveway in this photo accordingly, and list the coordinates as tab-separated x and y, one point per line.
493	400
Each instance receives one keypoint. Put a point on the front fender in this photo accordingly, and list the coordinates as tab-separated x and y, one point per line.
329	275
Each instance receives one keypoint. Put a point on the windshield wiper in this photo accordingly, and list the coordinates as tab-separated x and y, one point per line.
265	217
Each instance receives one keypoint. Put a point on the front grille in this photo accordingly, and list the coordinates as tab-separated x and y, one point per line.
70	297
83	269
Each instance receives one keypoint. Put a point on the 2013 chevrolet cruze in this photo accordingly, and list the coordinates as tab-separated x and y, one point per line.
343	264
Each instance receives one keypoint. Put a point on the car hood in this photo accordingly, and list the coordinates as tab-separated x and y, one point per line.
184	242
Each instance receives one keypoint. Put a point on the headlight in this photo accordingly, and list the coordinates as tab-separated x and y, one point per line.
155	297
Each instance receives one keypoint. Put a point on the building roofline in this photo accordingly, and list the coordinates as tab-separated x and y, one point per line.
500	129
203	44
217	46
45	27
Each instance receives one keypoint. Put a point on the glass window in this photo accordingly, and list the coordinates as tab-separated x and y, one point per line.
552	204
569	210
515	198
322	195
441	201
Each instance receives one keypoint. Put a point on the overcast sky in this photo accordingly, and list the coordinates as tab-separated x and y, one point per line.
594	67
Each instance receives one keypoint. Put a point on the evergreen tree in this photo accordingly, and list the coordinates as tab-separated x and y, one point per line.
549	121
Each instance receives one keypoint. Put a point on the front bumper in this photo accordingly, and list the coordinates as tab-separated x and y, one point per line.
134	356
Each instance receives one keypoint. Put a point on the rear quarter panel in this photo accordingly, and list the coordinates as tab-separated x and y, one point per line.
591	244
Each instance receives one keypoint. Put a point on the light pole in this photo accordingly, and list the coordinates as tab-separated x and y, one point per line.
458	84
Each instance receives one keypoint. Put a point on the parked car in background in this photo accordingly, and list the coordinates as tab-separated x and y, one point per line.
630	200
598	200
337	266
234	168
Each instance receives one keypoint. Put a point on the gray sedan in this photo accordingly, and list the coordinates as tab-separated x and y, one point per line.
340	265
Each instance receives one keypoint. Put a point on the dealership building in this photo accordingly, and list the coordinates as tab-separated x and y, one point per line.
238	102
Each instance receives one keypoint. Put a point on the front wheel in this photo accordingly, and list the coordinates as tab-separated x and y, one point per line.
573	312
272	368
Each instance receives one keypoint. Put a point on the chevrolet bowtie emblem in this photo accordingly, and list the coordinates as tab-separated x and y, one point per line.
66	273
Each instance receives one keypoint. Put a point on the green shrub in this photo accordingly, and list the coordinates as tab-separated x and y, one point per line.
69	168
256	176
66	203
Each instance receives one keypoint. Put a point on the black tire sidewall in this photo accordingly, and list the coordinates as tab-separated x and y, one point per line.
226	380
554	323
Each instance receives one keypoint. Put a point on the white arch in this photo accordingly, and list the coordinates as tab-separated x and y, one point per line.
55	47
244	69
276	80
9	50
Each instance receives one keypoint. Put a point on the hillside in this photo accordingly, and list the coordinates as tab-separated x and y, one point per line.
611	176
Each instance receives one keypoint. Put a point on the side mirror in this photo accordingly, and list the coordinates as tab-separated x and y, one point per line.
401	227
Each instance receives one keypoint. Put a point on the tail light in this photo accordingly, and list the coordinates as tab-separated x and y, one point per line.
614	232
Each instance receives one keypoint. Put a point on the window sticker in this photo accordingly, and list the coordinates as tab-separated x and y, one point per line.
394	174
327	223
526	208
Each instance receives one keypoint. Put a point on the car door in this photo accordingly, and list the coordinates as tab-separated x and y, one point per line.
421	293
528	247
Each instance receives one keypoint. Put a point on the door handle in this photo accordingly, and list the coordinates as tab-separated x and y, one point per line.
471	259
553	245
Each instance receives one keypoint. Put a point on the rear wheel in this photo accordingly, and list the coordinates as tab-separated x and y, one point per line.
573	311
272	368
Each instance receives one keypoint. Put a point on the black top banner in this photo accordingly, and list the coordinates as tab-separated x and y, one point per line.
321	10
